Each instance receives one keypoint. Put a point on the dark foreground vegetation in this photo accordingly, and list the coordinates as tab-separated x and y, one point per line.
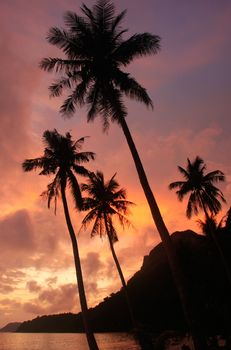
154	296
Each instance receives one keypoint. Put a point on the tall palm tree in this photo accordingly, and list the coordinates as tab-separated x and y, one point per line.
105	201
63	159
203	195
96	52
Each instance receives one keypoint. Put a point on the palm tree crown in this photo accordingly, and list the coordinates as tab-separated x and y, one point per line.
105	200
203	193
62	157
95	53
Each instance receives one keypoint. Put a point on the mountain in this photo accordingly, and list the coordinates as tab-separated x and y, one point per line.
154	296
10	327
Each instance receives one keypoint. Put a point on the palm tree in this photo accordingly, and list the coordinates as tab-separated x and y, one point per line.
62	158
92	72
203	195
208	224
105	202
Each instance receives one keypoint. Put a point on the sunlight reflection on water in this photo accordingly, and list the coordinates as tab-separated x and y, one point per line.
64	341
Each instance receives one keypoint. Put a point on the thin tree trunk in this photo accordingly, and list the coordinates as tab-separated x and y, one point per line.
217	245
198	339
83	302
143	339
131	313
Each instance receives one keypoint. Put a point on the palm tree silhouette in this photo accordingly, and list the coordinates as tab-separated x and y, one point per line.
203	195
105	202
92	72
62	158
208	224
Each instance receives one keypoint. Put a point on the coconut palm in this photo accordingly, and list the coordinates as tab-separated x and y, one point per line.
203	195
208	224
105	201
63	159
92	72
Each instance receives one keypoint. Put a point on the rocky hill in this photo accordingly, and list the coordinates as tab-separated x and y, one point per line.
10	327
154	295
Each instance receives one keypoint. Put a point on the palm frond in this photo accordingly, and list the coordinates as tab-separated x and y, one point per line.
112	105
209	224
122	206
88	13
117	20
138	45
52	192
88	203
57	87
80	170
103	12
123	220
192	206
93	101
184	172
33	164
49	64
98	227
77	24
111	184
75	190
58	37
132	88
84	157
51	139
91	215
197	164
79	143
56	64
176	184
68	107
215	176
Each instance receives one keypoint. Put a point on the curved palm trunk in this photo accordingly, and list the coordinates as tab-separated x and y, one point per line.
133	320
217	245
198	339
89	334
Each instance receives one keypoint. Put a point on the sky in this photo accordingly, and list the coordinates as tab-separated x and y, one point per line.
189	81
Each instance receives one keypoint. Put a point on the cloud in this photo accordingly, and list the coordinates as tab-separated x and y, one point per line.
54	300
16	232
33	286
92	265
5	289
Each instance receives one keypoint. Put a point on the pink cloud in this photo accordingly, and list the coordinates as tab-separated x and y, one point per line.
33	286
16	232
62	299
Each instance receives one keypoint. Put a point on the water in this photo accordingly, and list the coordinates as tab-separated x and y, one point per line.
65	341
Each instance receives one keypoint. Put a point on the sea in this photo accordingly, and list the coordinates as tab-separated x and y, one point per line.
65	341
74	341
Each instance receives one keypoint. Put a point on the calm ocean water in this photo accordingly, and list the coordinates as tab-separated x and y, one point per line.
63	341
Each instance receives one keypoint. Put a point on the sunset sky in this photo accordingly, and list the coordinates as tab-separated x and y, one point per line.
189	82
